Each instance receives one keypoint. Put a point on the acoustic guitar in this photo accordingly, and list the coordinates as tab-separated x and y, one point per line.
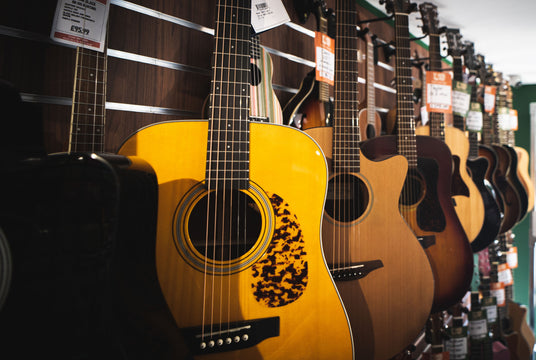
507	154
311	106
468	201
477	165
238	251
366	241
522	157
425	201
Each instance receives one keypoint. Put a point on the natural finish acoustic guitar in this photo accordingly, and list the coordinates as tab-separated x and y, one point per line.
238	251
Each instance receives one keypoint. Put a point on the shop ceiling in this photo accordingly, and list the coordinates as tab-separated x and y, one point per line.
503	31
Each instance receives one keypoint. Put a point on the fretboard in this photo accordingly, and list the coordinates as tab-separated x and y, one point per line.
323	87
437	120
406	139
473	135
228	132
457	69
346	128
371	91
88	111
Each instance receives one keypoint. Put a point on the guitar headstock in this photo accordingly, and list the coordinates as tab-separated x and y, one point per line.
304	8
430	23
435	329
398	6
469	57
454	40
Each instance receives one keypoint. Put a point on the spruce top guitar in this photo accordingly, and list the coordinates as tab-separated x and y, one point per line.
311	106
468	201
370	123
366	241
238	251
476	165
425	201
264	104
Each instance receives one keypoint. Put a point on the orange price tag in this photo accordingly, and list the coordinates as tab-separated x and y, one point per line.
489	98
513	119
325	58
505	274
511	257
438	92
497	291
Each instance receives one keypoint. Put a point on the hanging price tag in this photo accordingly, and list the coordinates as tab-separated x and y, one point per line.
503	117
424	115
81	23
478	324
513	119
438	92
461	98
325	58
456	344
267	14
497	291
511	257
489	304
505	274
474	119
489	98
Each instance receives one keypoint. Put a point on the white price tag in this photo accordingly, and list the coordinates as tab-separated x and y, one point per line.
460	102
457	348
424	115
503	117
491	312
478	329
81	23
267	14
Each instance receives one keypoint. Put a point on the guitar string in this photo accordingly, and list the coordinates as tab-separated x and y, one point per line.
212	143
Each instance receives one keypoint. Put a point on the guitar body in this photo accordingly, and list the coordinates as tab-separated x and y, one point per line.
432	216
312	111
491	156
468	202
511	199
518	321
264	105
273	289
516	182
492	213
524	176
378	303
369	130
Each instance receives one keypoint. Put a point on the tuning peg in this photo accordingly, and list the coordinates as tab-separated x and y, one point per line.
442	29
412	8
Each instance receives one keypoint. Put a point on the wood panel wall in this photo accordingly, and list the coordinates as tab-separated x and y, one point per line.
38	66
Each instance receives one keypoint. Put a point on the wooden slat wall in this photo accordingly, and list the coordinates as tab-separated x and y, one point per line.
47	68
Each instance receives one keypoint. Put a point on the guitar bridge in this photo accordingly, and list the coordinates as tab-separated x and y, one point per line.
355	271
230	336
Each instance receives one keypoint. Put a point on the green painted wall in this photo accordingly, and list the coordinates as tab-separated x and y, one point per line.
523	96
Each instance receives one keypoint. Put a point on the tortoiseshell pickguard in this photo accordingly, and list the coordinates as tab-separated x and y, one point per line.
280	276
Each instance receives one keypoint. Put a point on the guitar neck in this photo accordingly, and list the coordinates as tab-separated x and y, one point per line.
437	120
228	133
371	91
323	87
457	69
346	135
406	138
88	110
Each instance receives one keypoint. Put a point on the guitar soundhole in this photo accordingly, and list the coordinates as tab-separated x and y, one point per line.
347	198
413	190
255	78
225	225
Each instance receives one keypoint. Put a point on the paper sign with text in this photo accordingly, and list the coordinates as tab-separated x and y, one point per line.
461	98
325	58
81	23
438	92
514	121
267	14
503	117
474	120
489	98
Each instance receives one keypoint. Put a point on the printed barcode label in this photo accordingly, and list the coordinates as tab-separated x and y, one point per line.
261	6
